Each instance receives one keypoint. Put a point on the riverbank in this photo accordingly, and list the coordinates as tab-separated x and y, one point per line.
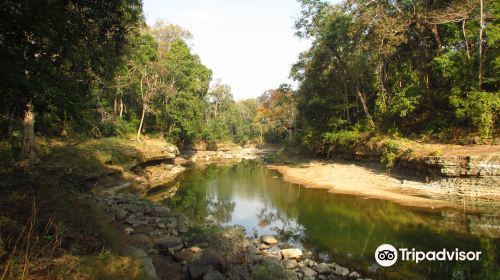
403	171
366	180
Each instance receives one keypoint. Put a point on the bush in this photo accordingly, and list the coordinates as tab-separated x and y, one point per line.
480	107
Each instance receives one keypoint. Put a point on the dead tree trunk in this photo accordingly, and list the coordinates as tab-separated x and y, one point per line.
481	27
365	108
28	137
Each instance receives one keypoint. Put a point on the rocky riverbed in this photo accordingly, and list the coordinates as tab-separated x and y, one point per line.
171	246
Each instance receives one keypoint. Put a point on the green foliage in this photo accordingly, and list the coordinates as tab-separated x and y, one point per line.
342	140
380	65
390	152
480	107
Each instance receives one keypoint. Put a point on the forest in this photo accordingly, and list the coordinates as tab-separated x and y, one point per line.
419	69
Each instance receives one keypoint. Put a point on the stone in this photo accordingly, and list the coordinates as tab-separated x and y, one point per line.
170	243
309	278
195	250
340	270
161	210
354	274
213	275
322	268
197	269
301	264
291	253
135	221
121	214
183	256
310	263
290	264
268	239
263	246
307	272
128	230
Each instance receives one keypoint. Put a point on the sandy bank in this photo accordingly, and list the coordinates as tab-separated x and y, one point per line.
363	180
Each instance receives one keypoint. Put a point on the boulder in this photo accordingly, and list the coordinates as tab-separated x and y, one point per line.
121	214
197	146
322	268
170	243
195	249
354	274
307	272
268	239
213	275
290	264
291	253
197	269
227	147
340	270
183	256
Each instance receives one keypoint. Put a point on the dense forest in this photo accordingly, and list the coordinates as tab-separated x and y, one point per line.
427	70
420	69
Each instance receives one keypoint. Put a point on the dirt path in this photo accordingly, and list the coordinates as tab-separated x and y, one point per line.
362	180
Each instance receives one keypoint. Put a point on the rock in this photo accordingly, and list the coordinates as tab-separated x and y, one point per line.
197	269
301	264
213	275
354	274
183	256
128	230
197	146
263	246
291	253
322	268
170	243
135	221
290	264
310	263
309	278
141	240
161	210
121	214
227	147
339	270
307	272
268	239
195	250
146	262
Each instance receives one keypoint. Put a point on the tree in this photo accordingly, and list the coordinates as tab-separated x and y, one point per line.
52	52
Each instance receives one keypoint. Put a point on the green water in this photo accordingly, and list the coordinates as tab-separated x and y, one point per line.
339	228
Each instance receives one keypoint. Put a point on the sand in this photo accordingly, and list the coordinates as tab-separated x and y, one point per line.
362	180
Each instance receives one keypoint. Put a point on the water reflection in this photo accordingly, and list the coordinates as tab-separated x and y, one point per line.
346	229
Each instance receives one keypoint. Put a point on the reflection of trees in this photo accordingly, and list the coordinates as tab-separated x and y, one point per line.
221	208
286	229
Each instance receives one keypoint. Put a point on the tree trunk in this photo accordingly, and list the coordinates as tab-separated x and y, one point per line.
121	106
28	137
114	105
143	113
465	39
481	27
435	32
365	108
141	123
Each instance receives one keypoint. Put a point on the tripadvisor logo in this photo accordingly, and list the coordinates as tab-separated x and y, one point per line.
387	255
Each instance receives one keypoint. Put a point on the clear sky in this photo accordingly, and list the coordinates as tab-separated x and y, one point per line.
249	45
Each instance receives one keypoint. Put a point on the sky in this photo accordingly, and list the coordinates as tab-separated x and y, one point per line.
249	45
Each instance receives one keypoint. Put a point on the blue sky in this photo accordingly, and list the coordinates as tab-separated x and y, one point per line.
249	45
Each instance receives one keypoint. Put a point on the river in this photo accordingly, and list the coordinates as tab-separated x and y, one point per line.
341	228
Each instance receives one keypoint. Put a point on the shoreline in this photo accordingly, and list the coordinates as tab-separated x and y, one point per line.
360	180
